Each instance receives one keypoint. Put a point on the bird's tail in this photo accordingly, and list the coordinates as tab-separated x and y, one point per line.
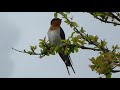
68	62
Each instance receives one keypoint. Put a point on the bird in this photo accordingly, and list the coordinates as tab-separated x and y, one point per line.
55	35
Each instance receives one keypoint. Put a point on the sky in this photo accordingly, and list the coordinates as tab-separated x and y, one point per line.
22	29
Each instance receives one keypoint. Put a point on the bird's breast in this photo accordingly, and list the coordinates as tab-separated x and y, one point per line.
54	36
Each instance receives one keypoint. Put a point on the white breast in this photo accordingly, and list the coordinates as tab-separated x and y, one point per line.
54	36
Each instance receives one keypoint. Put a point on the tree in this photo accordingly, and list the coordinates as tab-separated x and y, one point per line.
108	58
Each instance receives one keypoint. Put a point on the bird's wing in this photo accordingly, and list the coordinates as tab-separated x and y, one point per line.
62	34
65	58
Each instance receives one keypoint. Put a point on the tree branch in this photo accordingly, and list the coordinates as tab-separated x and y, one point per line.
115	16
83	47
26	52
108	21
115	71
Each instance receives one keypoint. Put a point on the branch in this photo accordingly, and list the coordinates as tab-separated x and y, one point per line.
83	47
108	21
26	52
115	71
115	16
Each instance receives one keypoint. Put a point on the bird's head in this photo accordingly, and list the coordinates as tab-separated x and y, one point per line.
56	22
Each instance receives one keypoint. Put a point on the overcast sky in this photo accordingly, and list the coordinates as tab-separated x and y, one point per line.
22	29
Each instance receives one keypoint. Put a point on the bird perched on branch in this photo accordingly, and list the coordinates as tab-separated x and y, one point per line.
55	35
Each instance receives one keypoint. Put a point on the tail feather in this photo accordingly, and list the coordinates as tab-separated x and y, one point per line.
67	60
68	70
71	64
72	68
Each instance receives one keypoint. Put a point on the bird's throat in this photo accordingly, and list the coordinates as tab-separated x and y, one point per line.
52	28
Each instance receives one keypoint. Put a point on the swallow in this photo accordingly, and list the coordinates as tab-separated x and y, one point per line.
55	35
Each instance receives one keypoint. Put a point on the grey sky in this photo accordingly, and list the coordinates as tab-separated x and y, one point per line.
22	29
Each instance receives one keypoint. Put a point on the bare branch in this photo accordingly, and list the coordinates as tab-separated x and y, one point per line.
83	47
115	71
26	52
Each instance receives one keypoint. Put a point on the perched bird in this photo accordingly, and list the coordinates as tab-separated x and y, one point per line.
55	35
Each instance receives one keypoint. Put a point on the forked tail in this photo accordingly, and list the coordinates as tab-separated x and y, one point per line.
69	64
67	60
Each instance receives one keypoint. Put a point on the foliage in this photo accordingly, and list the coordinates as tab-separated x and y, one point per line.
107	60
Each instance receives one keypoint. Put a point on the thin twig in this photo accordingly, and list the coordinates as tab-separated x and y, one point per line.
18	50
83	47
26	52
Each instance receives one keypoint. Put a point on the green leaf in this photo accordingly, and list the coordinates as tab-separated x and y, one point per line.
66	51
42	40
41	43
75	24
82	30
72	34
76	49
71	50
91	37
71	25
92	67
82	42
66	21
56	49
65	16
53	53
93	60
29	52
108	75
48	54
68	12
55	14
33	48
96	38
115	47
103	43
75	39
100	14
41	46
77	44
64	41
